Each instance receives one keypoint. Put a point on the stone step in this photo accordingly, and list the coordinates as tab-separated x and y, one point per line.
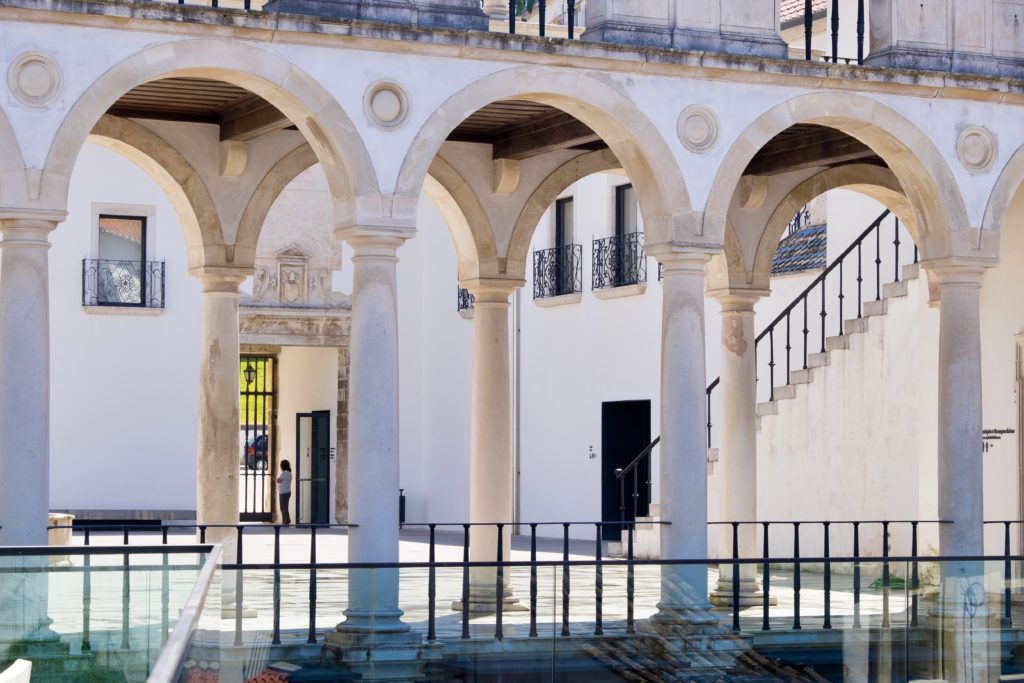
912	271
892	290
837	343
784	393
855	326
801	376
817	360
873	308
767	408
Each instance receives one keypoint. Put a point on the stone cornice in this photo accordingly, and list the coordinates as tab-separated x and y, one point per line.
196	21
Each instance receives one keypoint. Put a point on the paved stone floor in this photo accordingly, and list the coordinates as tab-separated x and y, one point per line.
145	590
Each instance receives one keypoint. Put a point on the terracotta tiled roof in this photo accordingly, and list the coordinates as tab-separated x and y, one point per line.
802	250
792	11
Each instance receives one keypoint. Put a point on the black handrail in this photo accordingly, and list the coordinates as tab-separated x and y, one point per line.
620	474
802	301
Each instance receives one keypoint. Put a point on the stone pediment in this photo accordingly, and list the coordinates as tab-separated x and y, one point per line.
292	254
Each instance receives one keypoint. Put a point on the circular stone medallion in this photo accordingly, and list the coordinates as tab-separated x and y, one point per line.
385	104
976	149
35	79
697	128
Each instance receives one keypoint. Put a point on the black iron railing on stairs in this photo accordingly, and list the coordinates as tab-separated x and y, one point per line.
836	275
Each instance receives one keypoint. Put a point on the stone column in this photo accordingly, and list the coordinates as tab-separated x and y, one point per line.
25	388
490	441
373	437
219	449
25	419
960	466
737	456
683	475
965	620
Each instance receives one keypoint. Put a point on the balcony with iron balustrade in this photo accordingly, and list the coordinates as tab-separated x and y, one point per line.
619	266
122	285
558	275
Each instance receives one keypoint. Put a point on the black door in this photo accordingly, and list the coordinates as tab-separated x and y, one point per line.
625	433
312	467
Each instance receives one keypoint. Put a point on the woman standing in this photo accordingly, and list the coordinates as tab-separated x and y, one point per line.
284	490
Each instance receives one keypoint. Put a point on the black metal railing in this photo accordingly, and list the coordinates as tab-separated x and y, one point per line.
465	300
791	330
634	468
826	560
122	283
558	271
619	260
596	566
835	33
516	8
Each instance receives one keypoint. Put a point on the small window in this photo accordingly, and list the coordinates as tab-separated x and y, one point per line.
625	210
121	275
564	232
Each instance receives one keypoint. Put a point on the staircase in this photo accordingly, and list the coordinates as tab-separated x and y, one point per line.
797	338
835	345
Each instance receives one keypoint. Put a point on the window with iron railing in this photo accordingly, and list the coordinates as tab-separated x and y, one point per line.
558	271
121	275
620	260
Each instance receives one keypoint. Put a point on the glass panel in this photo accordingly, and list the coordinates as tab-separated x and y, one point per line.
564	230
121	268
99	617
837	622
625	210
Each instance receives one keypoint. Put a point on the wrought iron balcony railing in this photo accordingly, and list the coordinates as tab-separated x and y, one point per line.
558	271
465	300
122	283
619	260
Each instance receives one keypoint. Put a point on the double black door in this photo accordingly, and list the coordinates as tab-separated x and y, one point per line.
312	467
625	433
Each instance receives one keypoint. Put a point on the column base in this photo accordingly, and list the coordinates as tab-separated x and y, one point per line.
750	594
483	603
362	625
380	656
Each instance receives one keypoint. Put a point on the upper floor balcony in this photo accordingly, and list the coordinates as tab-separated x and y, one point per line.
970	36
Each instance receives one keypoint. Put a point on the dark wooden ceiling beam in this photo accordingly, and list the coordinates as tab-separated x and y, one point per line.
828	148
540	135
253	119
166	115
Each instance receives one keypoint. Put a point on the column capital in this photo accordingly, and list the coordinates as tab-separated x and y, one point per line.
959	270
737	299
28	227
491	290
225	279
375	240
676	258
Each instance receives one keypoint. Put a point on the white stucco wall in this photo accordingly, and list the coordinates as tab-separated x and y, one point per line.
124	395
863	431
1002	325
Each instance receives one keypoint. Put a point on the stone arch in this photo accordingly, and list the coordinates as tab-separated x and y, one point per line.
321	120
13	178
636	142
546	193
874	181
266	193
929	183
1009	182
181	183
467	221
